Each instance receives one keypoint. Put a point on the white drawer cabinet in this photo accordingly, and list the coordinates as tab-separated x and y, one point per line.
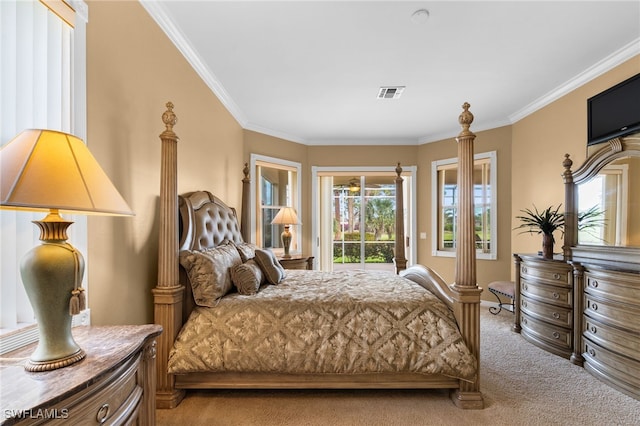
113	385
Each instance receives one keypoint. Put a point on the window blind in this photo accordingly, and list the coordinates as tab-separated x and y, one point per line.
38	82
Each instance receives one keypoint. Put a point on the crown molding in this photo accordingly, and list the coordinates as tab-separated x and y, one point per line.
363	142
455	131
274	133
625	53
158	13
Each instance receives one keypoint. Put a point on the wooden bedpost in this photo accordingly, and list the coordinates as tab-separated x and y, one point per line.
399	259
245	225
167	296
465	286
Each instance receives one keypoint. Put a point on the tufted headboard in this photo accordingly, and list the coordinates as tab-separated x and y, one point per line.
206	221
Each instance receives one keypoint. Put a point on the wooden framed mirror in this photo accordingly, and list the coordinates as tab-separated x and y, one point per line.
608	185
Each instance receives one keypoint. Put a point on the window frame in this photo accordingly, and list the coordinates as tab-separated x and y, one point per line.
295	195
436	192
319	246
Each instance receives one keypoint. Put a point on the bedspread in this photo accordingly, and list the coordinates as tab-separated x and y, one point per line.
347	322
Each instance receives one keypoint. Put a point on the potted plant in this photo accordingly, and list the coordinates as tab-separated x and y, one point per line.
543	222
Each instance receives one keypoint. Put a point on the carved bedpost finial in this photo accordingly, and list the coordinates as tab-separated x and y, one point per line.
465	119
169	117
567	163
398	170
245	170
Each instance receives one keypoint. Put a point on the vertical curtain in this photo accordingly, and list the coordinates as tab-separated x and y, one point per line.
37	90
325	233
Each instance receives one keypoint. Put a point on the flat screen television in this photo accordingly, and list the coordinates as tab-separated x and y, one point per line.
614	112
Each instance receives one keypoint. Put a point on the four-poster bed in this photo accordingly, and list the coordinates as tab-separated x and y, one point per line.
385	331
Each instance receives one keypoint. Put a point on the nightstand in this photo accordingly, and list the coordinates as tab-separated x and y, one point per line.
297	262
114	384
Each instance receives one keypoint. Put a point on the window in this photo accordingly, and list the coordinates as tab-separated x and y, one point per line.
276	184
445	205
42	76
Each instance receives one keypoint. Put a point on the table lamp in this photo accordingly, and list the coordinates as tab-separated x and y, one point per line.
51	171
286	216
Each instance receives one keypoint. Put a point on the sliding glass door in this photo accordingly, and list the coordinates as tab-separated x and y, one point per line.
356	216
364	222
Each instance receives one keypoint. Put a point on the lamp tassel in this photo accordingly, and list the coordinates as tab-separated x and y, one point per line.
74	303
78	301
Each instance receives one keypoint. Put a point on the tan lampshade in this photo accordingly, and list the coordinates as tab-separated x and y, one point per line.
45	169
286	216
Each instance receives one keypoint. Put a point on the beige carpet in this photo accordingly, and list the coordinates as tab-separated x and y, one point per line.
521	384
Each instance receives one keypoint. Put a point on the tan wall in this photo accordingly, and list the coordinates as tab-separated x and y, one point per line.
540	142
132	71
323	156
355	156
498	140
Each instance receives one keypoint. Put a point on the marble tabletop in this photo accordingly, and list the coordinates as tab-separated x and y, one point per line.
106	348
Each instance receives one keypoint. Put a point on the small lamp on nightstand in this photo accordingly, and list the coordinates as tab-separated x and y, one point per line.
286	216
50	171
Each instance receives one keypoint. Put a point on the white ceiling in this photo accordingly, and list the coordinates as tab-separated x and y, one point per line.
310	71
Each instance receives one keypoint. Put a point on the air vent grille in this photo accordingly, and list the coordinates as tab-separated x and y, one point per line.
390	92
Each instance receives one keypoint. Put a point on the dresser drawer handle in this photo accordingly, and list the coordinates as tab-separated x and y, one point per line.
593	329
593	283
524	320
556	276
556	315
594	306
524	270
592	352
524	303
525	287
103	413
556	295
556	335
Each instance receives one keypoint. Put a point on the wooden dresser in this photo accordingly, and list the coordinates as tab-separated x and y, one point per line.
584	311
545	303
114	384
296	262
605	255
611	327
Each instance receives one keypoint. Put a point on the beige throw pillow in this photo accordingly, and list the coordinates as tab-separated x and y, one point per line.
247	250
210	271
247	277
272	269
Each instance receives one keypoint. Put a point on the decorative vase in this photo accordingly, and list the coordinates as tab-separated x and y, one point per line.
547	246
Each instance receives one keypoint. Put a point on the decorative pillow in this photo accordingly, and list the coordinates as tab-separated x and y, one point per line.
209	271
272	269
247	251
247	277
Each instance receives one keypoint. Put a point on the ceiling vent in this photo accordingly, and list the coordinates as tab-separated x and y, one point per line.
390	92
